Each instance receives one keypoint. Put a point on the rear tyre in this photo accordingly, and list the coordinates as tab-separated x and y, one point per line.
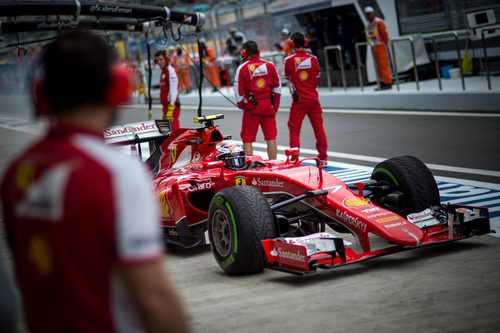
410	178
238	219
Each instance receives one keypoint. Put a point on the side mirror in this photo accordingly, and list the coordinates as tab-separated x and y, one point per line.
292	155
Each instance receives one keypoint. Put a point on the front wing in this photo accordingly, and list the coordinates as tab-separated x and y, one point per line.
302	255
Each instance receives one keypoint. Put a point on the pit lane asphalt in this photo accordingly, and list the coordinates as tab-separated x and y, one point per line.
447	288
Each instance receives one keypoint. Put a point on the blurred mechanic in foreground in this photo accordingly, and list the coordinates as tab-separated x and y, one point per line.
302	70
169	90
376	32
81	218
257	88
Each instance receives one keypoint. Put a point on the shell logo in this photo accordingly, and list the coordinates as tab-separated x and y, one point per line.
260	83
355	202
303	75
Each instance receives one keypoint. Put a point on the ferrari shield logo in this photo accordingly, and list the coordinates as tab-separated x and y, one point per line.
173	152
24	176
240	181
41	254
297	61
251	68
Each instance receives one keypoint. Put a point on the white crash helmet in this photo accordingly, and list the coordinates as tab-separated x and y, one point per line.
232	154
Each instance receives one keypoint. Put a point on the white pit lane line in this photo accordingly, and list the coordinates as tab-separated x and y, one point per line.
219	109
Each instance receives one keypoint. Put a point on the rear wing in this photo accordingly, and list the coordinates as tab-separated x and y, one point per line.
144	138
140	132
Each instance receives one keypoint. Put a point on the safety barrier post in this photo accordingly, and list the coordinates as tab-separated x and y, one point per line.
485	57
413	57
437	37
358	60
340	63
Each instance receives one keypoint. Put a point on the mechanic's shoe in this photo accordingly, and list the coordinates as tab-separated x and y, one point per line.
323	163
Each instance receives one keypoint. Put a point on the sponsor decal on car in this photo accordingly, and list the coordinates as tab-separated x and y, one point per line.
394	225
129	129
291	255
355	202
202	186
370	210
422	219
268	182
388	219
379	214
421	216
352	221
240	181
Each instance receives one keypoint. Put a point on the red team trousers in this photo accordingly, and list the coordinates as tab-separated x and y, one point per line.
311	108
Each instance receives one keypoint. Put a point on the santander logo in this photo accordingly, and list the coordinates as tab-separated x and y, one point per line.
296	256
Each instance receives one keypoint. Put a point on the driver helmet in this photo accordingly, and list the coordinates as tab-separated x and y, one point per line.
232	154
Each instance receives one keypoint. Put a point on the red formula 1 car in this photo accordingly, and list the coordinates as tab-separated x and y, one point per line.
292	215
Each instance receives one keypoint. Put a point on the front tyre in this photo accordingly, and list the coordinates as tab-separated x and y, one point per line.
410	180
238	219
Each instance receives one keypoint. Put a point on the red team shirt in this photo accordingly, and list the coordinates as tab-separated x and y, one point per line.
259	77
75	209
169	86
302	70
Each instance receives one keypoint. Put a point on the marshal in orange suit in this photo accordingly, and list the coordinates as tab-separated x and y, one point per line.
376	32
183	70
209	58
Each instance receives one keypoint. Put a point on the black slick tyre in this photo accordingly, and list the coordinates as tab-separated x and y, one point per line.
238	219
410	177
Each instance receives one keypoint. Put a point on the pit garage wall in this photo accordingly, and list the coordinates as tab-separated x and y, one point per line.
388	8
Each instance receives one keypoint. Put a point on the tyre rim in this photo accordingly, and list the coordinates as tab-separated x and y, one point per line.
221	233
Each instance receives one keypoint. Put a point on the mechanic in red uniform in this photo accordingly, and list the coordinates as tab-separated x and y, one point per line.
302	70
81	218
257	88
169	90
